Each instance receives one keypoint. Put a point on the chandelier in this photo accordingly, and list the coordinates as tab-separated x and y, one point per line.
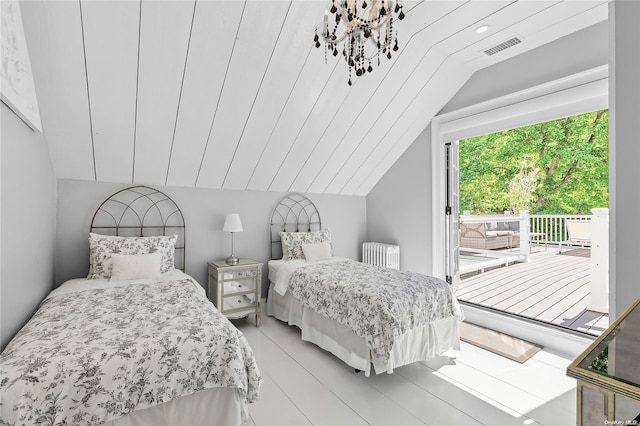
363	22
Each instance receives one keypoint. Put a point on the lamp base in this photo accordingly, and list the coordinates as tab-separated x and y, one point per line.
232	260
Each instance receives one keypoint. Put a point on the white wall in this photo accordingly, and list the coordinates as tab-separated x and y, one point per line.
27	224
624	153
577	52
399	206
204	211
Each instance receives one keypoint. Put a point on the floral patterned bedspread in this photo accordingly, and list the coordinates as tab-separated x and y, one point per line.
91	356
378	304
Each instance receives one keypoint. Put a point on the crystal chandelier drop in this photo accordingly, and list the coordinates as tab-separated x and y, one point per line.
363	22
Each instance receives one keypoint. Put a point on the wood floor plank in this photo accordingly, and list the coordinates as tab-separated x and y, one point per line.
555	313
316	403
569	317
538	378
567	294
551	287
525	286
273	407
463	394
515	275
541	294
370	404
427	407
306	385
591	321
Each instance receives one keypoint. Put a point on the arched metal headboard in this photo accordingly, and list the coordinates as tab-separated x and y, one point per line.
294	213
141	211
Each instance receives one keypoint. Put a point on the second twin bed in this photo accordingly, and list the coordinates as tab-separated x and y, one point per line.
363	314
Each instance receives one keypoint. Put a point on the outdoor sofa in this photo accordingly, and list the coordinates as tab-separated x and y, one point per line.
490	235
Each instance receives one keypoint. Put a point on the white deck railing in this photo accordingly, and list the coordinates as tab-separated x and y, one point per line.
550	228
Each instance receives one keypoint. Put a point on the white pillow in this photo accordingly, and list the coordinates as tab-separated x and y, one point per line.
317	251
135	266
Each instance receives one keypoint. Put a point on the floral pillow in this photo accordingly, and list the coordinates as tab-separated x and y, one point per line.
295	240
101	247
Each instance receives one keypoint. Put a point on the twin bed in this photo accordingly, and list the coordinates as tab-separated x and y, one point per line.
363	314
137	342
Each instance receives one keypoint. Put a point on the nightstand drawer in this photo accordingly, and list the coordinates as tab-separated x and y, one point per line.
239	274
233	288
238	306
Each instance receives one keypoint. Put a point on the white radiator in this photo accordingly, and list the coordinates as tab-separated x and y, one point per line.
379	254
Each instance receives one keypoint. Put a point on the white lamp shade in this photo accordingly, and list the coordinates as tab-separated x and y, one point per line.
232	223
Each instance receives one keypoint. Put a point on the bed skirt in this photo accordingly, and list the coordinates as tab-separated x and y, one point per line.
224	406
419	344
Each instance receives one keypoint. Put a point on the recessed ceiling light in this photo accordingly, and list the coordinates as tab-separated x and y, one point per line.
482	29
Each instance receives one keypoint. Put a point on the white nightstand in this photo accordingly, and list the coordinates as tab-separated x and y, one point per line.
235	289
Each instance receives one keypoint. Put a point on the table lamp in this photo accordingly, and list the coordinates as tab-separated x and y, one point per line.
232	224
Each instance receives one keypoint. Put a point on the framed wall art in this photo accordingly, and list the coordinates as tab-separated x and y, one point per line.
17	88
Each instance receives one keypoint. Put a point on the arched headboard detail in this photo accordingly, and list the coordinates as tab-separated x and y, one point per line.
294	213
141	211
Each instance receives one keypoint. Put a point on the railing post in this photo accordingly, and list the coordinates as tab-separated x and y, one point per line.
599	297
525	249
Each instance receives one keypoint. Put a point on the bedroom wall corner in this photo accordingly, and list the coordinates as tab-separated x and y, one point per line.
27	223
399	206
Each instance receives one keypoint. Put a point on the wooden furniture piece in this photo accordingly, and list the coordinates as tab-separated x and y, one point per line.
608	376
235	289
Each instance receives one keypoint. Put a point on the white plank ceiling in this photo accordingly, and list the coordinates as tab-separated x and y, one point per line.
232	94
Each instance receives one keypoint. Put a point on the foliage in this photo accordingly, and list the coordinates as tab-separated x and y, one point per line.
522	186
571	167
601	363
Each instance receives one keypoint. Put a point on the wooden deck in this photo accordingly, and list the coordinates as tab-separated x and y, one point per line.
552	287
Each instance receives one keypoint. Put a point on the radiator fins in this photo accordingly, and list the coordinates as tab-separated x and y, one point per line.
379	254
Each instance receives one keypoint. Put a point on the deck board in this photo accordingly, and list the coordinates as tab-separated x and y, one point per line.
551	287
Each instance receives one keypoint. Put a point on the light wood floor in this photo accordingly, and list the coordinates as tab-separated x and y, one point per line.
304	385
551	287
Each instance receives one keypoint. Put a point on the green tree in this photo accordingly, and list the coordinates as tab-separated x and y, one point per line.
571	163
522	186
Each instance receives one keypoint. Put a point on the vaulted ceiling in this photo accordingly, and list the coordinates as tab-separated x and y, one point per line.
233	95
